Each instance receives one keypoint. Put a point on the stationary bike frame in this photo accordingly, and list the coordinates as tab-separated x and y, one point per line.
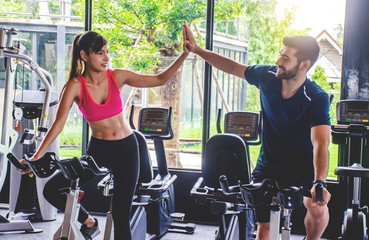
354	222
280	199
71	168
69	229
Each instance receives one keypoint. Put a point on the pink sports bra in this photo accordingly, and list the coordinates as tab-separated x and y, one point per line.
93	111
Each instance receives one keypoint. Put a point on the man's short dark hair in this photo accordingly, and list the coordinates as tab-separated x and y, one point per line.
307	47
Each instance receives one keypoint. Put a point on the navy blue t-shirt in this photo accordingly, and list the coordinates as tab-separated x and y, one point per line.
286	139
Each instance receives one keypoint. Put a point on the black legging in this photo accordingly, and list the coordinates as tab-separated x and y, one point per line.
122	157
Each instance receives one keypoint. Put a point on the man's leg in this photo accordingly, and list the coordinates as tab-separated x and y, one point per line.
263	231
316	219
262	215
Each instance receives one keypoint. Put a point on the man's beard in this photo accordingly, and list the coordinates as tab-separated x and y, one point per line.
288	74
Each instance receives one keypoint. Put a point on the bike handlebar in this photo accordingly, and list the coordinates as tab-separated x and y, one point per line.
90	163
226	189
261	191
53	162
319	197
13	159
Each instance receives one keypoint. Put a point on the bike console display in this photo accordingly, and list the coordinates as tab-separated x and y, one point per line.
155	121
243	124
353	112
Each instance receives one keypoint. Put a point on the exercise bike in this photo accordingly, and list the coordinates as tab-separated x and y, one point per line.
155	124
17	225
352	131
71	168
138	220
278	199
140	200
228	154
354	220
153	203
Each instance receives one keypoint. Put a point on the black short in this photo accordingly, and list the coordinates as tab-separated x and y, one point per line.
293	178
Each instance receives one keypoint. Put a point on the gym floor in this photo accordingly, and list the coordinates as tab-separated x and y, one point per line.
202	232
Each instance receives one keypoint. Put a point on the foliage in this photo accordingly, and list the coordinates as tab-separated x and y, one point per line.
140	31
320	78
226	10
71	134
265	39
339	33
12	6
78	8
266	30
330	88
70	152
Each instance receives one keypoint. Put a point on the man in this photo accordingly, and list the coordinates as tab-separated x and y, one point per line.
296	124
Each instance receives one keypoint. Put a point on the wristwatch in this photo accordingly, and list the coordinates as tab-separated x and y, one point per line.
324	184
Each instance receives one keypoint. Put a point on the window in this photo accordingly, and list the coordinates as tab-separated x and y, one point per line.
46	30
145	36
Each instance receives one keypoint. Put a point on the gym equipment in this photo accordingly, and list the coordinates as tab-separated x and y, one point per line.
155	124
354	220
13	54
138	219
71	168
30	103
153	213
19	225
228	154
352	131
278	199
140	201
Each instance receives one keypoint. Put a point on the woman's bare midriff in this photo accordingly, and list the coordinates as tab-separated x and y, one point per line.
113	128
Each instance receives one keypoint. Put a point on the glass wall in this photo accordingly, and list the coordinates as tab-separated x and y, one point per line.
268	22
145	36
45	30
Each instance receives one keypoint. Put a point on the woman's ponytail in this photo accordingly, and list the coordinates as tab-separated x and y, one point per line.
75	60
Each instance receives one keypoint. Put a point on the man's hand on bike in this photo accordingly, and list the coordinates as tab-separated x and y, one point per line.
326	196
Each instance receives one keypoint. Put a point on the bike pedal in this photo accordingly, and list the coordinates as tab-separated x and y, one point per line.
177	216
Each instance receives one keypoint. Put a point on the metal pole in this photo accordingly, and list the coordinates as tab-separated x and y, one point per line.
88	27
208	73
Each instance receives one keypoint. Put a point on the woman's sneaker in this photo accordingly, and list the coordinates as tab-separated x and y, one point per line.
90	232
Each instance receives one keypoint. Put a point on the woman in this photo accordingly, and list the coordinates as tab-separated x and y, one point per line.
96	91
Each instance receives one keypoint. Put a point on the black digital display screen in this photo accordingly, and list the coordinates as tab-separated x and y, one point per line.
155	115
154	121
353	112
357	107
243	124
242	119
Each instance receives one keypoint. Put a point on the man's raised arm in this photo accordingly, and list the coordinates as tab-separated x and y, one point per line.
220	62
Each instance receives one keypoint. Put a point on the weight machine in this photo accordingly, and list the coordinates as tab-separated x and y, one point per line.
13	54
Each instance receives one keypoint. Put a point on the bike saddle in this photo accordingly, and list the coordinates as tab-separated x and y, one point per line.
355	170
71	168
257	194
290	197
43	167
